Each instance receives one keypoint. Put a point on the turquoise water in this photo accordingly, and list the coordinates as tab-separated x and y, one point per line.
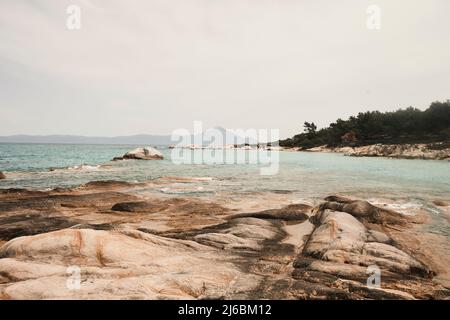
311	174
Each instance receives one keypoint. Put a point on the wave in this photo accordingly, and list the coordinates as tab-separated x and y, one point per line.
83	167
185	191
187	179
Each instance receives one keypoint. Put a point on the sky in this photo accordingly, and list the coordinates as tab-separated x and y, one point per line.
153	66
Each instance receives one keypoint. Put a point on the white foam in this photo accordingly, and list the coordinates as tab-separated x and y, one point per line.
83	167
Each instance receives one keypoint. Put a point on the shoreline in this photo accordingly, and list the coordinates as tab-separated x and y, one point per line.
132	244
420	151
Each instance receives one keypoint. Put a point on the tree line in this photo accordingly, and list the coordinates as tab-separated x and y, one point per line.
409	125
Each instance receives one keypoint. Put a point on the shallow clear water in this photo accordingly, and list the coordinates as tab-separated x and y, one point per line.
312	174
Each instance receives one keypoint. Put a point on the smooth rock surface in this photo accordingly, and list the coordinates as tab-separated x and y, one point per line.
113	265
146	153
130	245
364	210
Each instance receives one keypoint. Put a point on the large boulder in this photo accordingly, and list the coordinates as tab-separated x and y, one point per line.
2	176
364	211
146	153
124	264
340	237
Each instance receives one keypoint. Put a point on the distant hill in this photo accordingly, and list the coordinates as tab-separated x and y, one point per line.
140	139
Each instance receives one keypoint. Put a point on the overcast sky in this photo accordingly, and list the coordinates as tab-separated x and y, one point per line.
152	66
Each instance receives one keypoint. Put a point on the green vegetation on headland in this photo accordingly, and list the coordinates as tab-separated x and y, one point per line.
403	126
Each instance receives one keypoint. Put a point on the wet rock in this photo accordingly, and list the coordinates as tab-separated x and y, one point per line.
441	203
337	198
31	224
140	206
298	212
106	184
20	192
61	190
2	175
172	206
53	202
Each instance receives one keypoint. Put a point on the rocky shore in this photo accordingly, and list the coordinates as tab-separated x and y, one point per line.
127	245
399	151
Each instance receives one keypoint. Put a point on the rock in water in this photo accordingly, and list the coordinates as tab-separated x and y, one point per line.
2	176
146	153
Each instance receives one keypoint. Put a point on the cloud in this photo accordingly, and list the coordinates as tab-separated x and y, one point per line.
153	66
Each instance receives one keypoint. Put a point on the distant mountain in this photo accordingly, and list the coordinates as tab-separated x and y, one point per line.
140	139
222	136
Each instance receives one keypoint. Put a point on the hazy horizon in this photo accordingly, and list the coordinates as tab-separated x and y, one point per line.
152	67
160	135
